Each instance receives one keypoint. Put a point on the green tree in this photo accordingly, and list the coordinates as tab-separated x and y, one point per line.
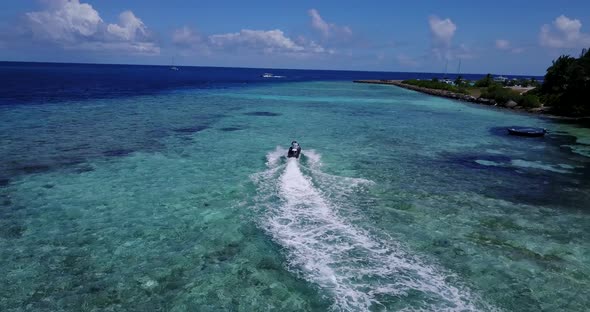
529	101
485	82
523	82
566	87
558	75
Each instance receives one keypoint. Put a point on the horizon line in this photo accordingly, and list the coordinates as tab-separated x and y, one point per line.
268	68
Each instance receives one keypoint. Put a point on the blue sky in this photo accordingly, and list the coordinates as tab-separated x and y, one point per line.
501	37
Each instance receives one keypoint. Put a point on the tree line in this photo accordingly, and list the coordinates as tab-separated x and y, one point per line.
566	87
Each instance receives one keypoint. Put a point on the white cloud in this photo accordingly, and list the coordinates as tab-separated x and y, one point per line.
189	40
502	44
267	40
76	25
517	50
505	45
130	28
463	52
565	33
442	32
258	41
186	36
66	22
312	47
325	28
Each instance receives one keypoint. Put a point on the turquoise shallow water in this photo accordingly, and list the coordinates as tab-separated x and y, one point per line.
183	201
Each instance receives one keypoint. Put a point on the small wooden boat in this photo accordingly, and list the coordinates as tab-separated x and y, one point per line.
527	131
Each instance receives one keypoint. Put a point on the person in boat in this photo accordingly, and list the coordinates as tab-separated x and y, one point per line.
294	150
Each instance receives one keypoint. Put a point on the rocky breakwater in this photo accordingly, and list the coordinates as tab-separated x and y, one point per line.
452	95
436	92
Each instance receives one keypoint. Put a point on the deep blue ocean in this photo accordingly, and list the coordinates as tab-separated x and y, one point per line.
54	82
141	188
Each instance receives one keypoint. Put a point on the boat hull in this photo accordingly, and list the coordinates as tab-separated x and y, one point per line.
294	153
527	131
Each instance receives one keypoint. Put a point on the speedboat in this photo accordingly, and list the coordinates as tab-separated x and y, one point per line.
527	131
269	75
294	150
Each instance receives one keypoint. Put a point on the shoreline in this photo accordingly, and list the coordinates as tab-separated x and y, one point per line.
471	99
446	94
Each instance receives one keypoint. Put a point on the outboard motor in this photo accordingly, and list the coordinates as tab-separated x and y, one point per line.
294	150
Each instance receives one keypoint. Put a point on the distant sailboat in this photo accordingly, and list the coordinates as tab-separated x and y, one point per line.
459	77
173	67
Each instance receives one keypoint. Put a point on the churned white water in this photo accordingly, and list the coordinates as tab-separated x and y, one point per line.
358	269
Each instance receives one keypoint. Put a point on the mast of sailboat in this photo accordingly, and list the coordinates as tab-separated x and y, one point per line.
459	68
446	66
173	67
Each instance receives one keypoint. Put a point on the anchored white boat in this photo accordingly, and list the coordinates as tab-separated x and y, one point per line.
269	75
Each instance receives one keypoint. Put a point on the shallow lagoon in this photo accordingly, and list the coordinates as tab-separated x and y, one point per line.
180	200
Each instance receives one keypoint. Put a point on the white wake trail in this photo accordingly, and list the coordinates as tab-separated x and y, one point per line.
326	249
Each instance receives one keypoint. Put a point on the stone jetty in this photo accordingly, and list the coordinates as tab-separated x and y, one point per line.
436	92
